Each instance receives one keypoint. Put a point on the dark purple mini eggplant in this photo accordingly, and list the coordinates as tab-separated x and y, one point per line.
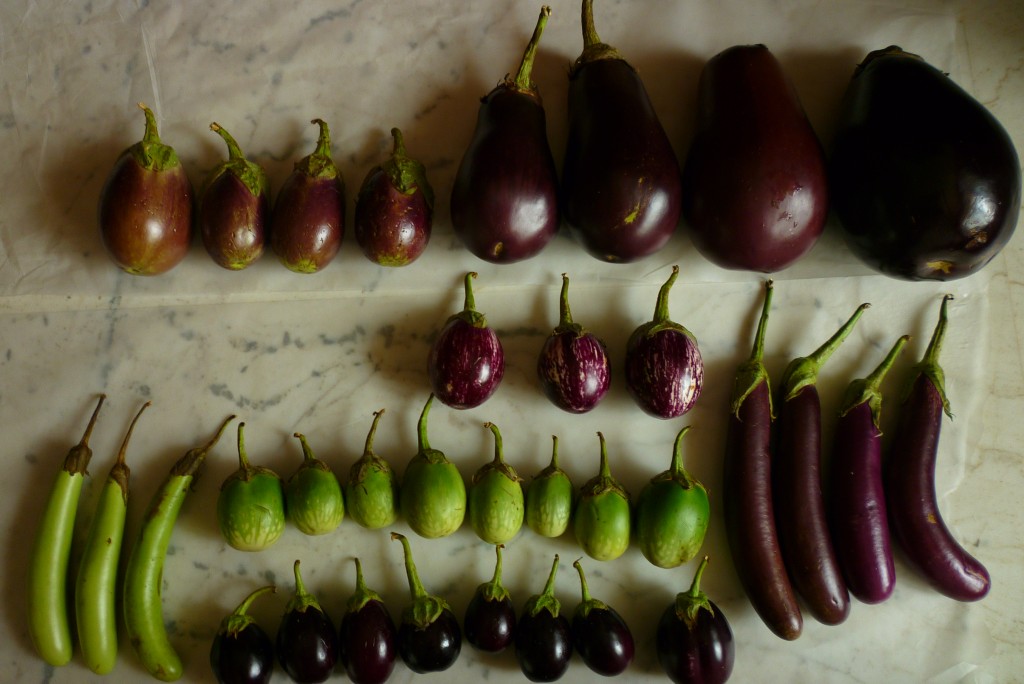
234	209
925	181
145	209
600	635
858	516
490	620
621	189
242	652
307	643
504	203
755	191
466	361
543	635
308	222
664	369
573	364
367	636
395	209
909	479
694	640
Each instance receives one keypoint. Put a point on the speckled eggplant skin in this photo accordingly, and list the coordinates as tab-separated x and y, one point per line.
466	364
232	222
664	372
573	370
308	221
392	227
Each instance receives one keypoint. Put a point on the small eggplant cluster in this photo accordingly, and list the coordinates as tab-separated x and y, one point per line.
788	536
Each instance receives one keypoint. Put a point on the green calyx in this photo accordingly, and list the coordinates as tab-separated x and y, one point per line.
522	82
77	460
929	364
309	460
425	608
677	472
661	320
469	314
587	603
362	594
407	174
425	453
545	600
150	152
552	468
313	496
603	482
868	390
498	464
190	464
593	49
565	322
689	603
370	462
246	471
803	372
493	590
240	619
319	164
120	472
249	173
752	372
302	600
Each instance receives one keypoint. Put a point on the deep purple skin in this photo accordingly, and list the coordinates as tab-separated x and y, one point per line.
543	645
308	221
917	165
800	518
573	370
466	364
245	657
664	372
858	515
755	187
914	516
489	624
603	640
433	648
368	644
307	645
232	222
701	653
391	227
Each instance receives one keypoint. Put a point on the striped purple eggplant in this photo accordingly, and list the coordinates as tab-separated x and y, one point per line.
664	369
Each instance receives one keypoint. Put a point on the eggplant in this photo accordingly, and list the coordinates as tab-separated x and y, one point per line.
755	188
367	637
543	641
925	181
599	634
490	619
306	642
242	652
621	190
504	203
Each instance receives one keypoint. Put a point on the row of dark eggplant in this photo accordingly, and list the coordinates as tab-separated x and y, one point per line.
925	181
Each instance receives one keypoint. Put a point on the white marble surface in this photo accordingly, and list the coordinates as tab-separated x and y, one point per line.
321	353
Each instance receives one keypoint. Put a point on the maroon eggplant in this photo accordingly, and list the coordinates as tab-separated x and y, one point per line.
858	516
367	636
800	517
664	369
747	497
543	639
504	203
600	635
234	209
466	361
755	188
621	190
694	640
909	481
145	208
308	222
925	181
307	643
395	209
573	363
490	620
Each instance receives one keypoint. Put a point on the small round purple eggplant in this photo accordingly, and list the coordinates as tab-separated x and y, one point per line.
573	363
234	209
600	635
543	639
504	203
308	222
395	209
490	620
694	640
307	643
664	369
242	651
466	361
367	637
145	209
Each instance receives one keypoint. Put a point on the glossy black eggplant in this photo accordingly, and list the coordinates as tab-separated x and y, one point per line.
307	643
925	181
621	190
490	620
242	652
368	639
909	480
543	639
600	635
504	203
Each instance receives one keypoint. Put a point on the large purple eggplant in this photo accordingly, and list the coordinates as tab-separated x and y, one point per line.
664	369
925	181
466	361
573	363
504	203
621	189
755	193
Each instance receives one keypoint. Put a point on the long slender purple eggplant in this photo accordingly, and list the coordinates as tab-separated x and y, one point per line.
235	208
573	364
466	361
796	487
664	369
308	222
909	477
621	188
858	518
504	203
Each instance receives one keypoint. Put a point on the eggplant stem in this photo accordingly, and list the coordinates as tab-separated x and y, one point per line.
243	607
661	307
752	372
564	313
323	141
694	589
554	452
243	458
415	586
803	372
498	452
549	586
522	81
677	455
368	448
584	589
469	304
866	390
590	37
929	365
128	435
496	579
234	151
307	451
399	147
189	464
605	471
421	427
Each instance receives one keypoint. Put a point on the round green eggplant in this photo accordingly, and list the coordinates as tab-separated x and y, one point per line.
672	514
601	520
496	504
433	494
549	499
250	506
313	495
372	489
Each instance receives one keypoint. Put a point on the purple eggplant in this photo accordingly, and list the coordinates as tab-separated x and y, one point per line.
573	364
504	203
308	222
367	636
858	516
234	209
664	369
145	209
307	643
242	652
755	190
543	635
600	635
395	209
926	183
909	480
490	620
466	361
621	189
694	640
